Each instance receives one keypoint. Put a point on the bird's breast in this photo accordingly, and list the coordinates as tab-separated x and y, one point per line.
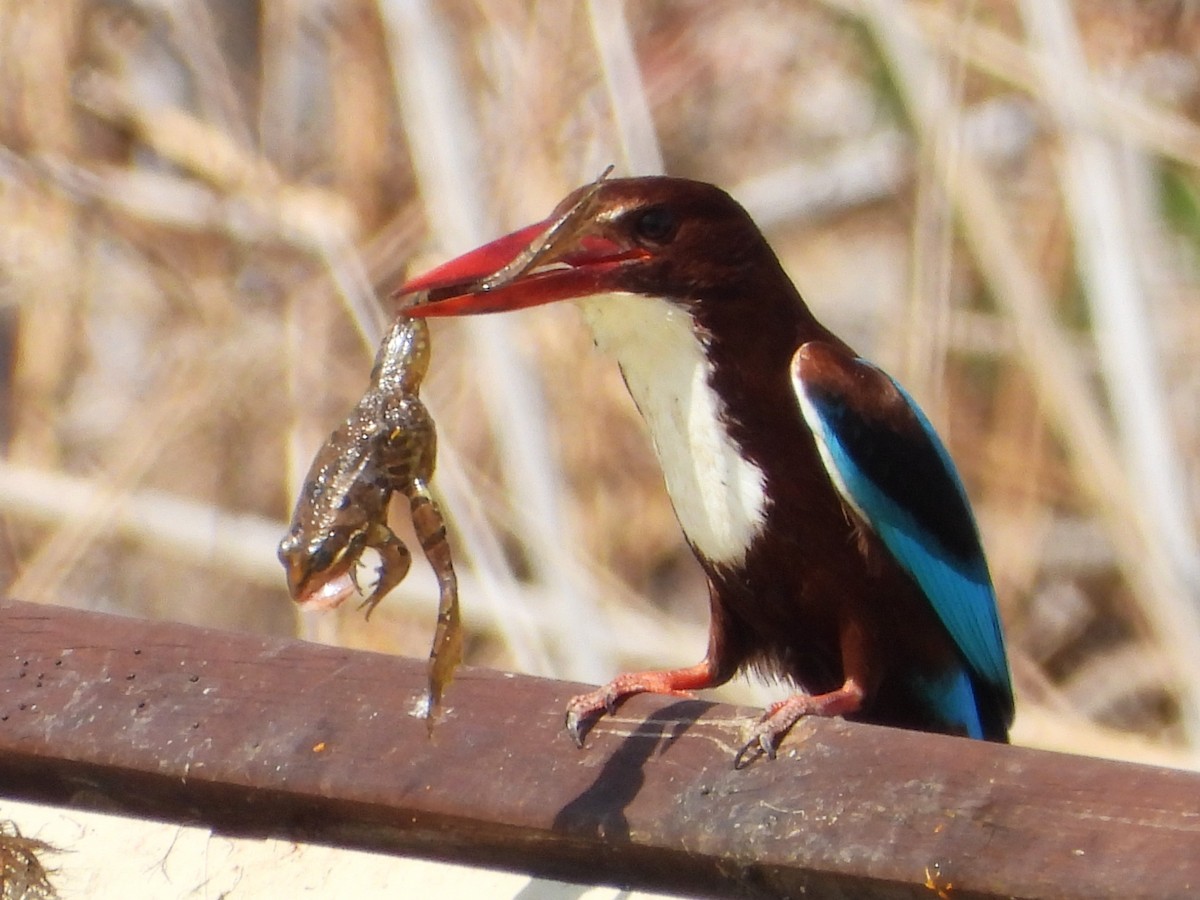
718	494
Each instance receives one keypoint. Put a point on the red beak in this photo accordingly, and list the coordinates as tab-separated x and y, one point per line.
567	255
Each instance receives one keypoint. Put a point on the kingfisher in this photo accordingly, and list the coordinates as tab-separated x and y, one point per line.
840	550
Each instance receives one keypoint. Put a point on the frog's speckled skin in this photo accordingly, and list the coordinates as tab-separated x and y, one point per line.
388	444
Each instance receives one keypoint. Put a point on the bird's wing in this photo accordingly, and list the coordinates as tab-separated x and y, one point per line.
890	467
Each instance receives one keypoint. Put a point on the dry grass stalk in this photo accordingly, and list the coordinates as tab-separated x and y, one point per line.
23	875
204	202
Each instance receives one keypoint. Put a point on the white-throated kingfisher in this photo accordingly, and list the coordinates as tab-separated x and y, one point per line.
839	545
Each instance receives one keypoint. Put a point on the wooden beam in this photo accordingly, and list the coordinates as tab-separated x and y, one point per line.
272	736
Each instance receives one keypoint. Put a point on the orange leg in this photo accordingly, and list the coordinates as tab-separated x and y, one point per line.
780	717
678	682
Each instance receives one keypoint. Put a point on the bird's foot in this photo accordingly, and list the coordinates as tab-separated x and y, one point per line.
779	718
583	708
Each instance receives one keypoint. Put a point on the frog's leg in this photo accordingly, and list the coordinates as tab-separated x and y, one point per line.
431	532
394	561
446	652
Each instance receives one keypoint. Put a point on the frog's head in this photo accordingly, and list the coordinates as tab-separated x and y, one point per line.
320	570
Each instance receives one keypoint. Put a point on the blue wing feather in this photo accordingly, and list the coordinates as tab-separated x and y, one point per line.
889	465
953	695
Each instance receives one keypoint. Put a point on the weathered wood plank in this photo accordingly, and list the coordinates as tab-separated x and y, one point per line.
273	736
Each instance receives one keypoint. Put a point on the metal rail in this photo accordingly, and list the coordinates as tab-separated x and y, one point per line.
272	736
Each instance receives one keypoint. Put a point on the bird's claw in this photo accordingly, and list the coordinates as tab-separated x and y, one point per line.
583	707
779	718
772	725
573	722
763	741
605	699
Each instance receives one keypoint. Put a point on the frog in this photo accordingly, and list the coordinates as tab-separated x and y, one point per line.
386	446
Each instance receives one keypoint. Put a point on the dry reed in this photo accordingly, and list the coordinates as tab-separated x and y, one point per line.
998	201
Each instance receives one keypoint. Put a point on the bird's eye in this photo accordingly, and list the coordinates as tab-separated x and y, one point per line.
656	225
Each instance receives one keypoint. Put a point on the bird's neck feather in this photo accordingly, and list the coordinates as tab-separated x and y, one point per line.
719	495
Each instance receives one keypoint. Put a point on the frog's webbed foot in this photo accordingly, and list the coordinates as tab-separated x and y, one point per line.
447	650
394	561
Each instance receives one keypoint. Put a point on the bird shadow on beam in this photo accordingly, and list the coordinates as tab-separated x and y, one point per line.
600	809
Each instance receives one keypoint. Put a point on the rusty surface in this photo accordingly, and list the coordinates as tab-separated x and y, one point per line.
273	736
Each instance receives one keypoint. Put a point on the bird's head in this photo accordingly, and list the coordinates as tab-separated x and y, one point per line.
655	236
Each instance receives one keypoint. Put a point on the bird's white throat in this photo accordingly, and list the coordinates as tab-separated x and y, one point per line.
718	495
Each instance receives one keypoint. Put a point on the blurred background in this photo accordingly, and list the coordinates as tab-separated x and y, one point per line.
204	206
